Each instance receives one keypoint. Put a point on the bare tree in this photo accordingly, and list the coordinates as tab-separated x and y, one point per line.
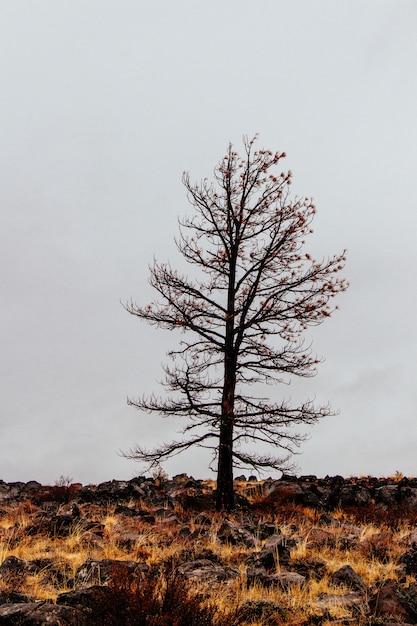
243	320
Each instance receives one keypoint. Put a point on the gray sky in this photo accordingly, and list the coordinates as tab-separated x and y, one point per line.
103	105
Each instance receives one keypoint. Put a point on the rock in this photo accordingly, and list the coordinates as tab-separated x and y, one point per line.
204	570
180	478
274	553
99	571
127	511
317	537
377	546
279	540
83	598
234	534
347	576
351	600
409	559
255	575
265	530
328	520
41	614
392	601
312	569
354	495
13	569
285	580
12	597
387	494
285	491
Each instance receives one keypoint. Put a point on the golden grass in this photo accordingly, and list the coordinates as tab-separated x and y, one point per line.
160	543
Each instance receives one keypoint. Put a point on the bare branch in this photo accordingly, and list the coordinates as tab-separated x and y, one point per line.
244	319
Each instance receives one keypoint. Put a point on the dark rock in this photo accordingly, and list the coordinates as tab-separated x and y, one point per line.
387	494
83	598
317	537
275	552
347	576
313	497
180	478
40	614
255	575
266	529
99	571
411	539
126	511
310	478
393	601
351	600
328	520
12	569
235	535
284	580
409	559
204	570
312	569
354	495
285	492
12	597
31	487
377	546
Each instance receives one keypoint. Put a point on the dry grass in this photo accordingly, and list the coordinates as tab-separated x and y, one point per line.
373	549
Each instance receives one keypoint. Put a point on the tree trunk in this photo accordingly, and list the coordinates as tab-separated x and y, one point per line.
225	495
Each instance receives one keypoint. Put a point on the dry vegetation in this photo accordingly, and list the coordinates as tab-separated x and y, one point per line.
374	548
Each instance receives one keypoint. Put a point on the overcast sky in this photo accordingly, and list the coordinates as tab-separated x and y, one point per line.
103	105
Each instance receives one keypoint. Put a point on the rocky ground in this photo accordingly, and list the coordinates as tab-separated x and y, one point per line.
152	551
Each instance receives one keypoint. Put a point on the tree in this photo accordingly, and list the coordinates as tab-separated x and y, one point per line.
243	320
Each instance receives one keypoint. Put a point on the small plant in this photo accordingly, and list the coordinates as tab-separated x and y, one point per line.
64	481
165	600
160	477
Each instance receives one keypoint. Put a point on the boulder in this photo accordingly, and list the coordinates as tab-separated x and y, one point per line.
40	614
84	598
409	559
275	552
317	537
235	535
311	569
204	570
285	491
351	600
13	569
347	576
99	571
265	530
13	597
284	580
393	601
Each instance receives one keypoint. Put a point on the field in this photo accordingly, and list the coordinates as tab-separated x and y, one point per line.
171	560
